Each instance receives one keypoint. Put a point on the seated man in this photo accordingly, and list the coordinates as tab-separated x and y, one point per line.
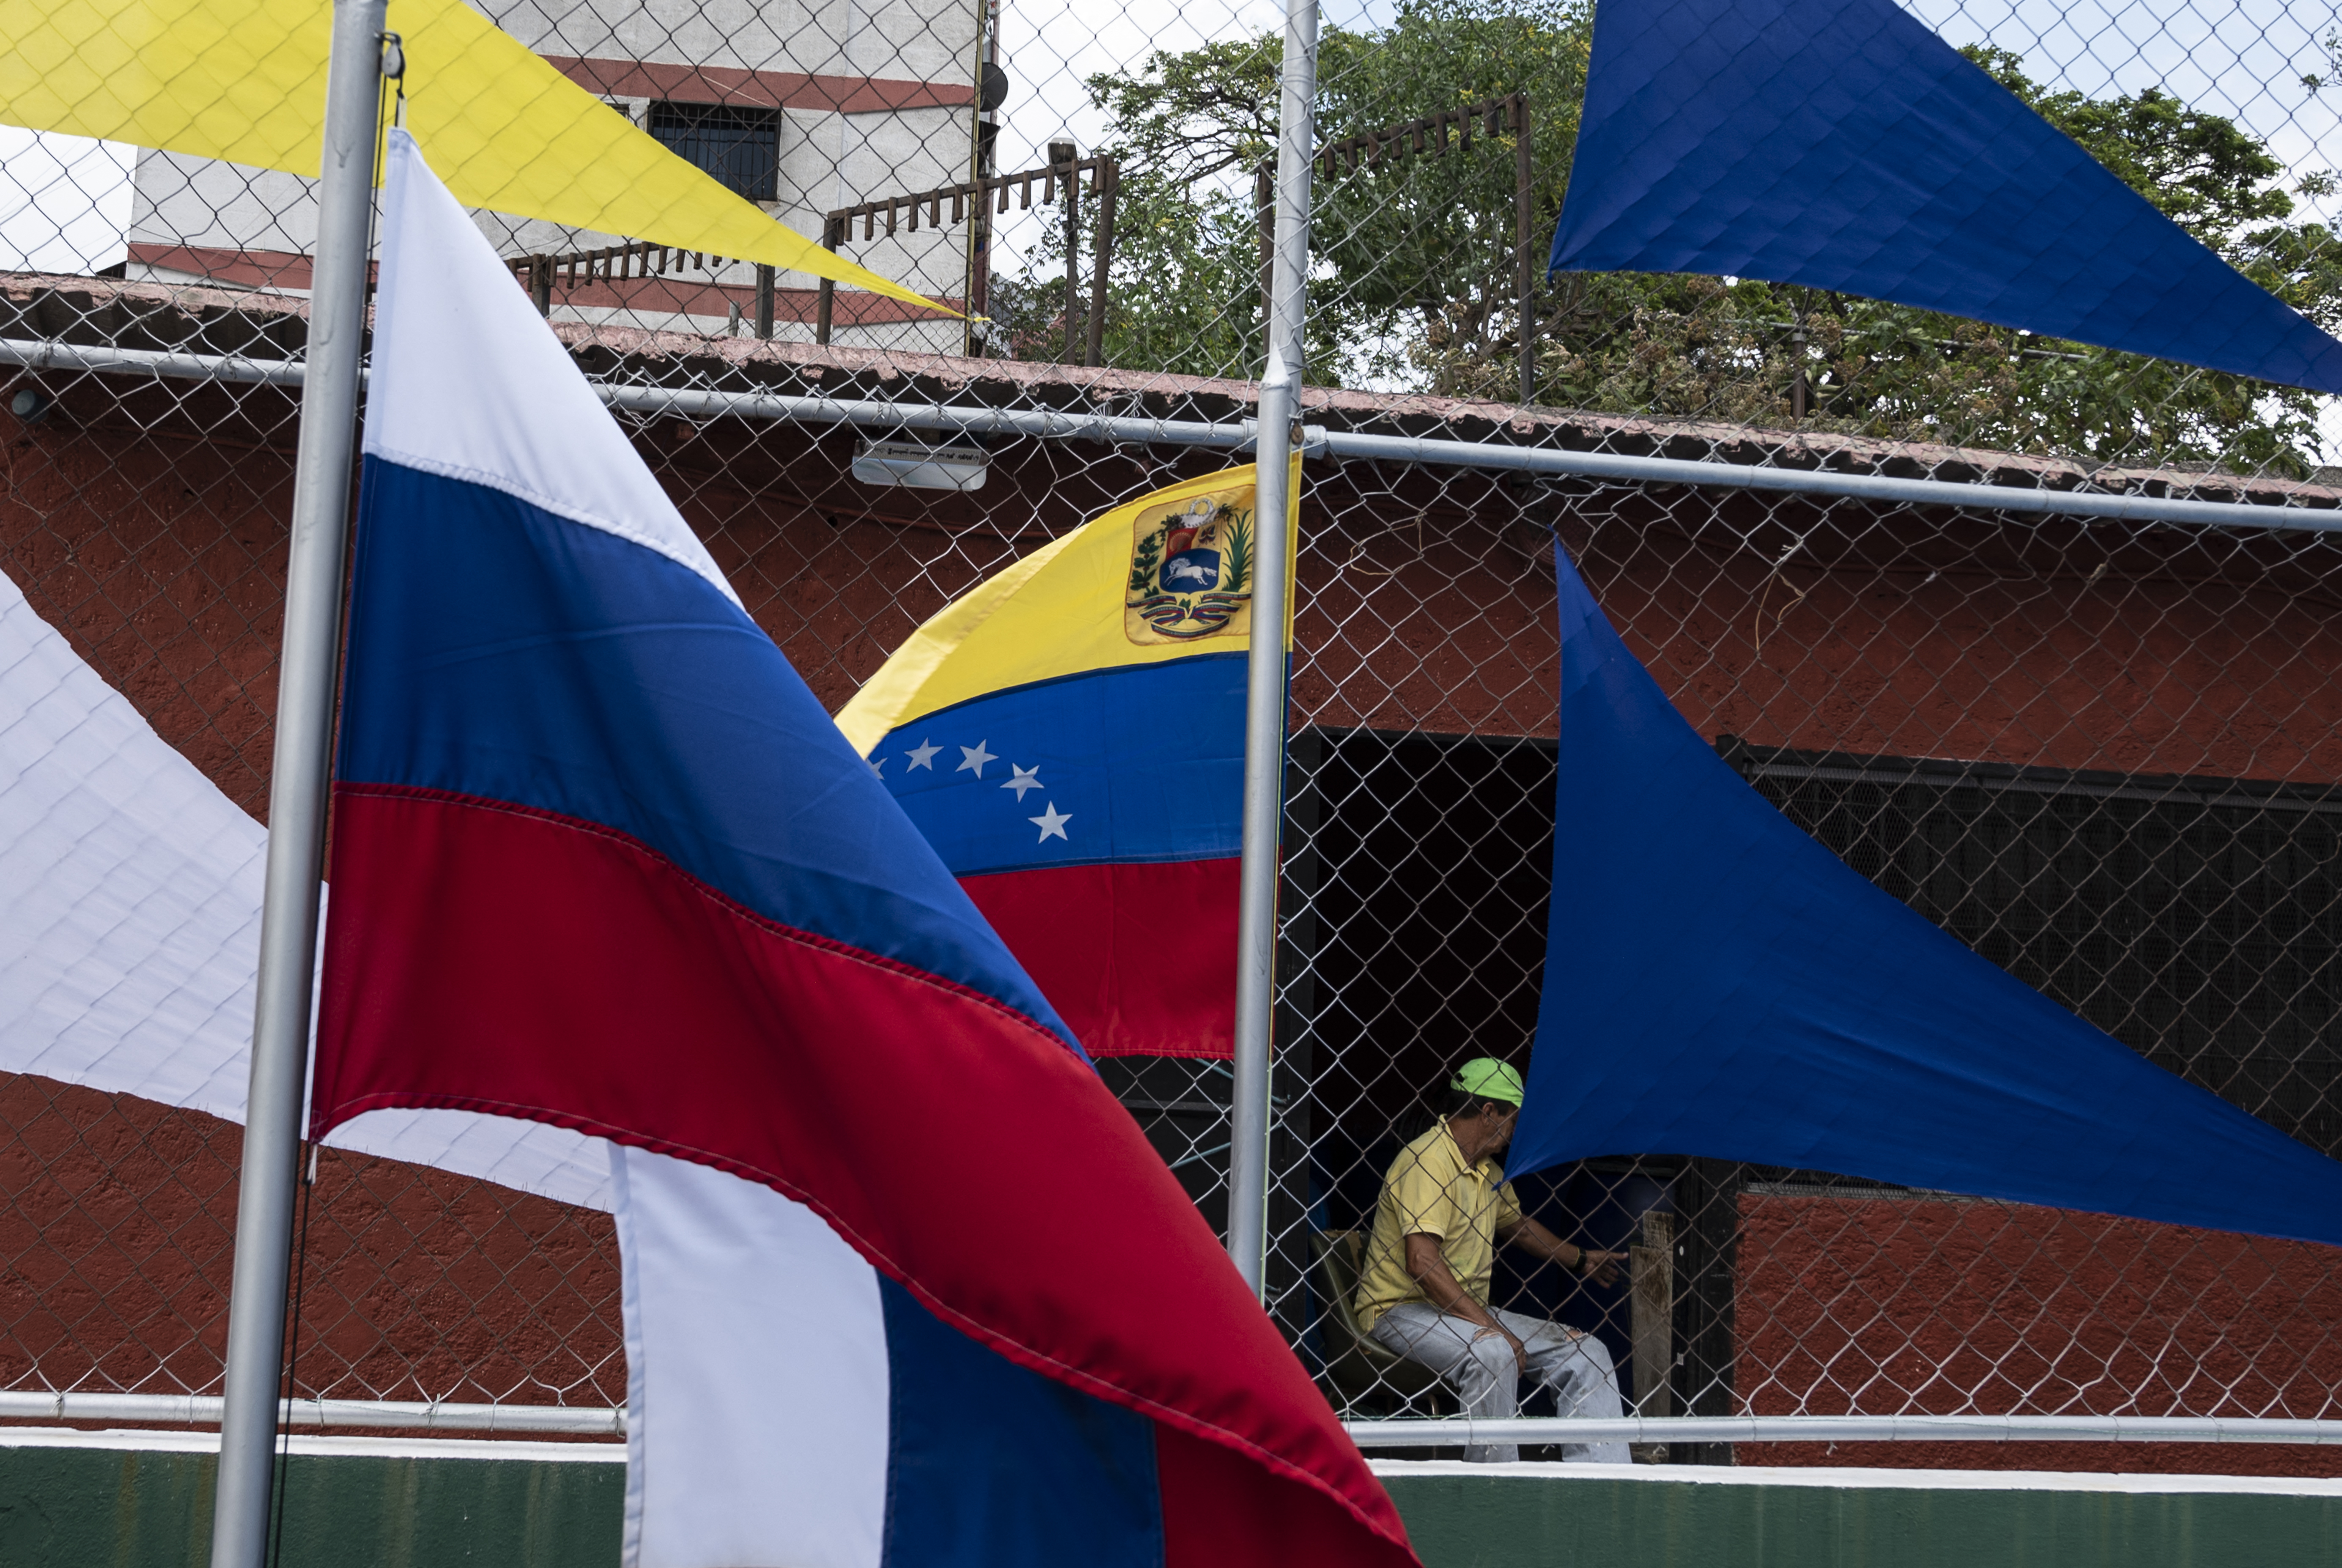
1423	1291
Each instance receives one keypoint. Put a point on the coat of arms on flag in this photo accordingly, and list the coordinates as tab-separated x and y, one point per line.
1191	568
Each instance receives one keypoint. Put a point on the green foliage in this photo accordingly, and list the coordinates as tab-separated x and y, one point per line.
1193	128
1143	562
1698	346
1027	313
1239	574
1186	286
1423	245
1415	263
1425	251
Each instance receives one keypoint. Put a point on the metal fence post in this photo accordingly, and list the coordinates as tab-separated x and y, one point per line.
1069	156
1109	185
1523	217
1263	207
1265	692
297	801
833	237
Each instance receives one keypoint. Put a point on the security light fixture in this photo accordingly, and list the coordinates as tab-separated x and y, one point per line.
921	467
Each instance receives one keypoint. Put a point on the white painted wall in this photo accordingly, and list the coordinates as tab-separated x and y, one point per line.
906	40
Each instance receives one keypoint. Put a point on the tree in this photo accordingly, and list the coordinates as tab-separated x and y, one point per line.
1423	252
1193	128
1413	278
1183	296
1422	246
1703	346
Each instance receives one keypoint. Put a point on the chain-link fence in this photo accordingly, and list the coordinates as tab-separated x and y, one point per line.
2099	751
2093	753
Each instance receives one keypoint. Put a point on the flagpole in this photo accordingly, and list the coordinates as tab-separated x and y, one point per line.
296	794
1265	687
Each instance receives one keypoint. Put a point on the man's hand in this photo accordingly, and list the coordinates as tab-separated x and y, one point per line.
1531	1237
1602	1268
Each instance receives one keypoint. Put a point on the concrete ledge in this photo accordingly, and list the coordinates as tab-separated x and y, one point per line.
142	1500
1864	1478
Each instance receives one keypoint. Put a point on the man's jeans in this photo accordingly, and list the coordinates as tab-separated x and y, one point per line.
1483	1373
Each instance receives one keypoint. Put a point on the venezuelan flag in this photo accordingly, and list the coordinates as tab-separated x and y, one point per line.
1069	736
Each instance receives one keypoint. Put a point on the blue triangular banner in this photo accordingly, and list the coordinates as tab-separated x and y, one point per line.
1840	145
1717	983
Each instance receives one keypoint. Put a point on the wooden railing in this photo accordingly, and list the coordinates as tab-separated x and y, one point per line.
1063	179
638	259
970	197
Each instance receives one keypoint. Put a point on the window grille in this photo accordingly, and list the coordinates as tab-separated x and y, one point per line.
741	147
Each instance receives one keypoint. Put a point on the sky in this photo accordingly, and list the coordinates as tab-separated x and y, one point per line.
65	202
2243	58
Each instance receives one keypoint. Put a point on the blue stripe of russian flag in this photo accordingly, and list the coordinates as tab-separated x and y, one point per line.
499	652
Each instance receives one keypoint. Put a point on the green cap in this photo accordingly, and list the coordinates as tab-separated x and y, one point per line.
1489	1078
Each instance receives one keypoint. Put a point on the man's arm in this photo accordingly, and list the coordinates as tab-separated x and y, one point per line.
1532	1237
1426	1264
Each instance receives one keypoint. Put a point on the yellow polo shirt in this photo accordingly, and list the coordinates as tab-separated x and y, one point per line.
1430	1191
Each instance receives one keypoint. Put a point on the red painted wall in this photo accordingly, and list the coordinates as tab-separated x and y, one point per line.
1955	1307
149	528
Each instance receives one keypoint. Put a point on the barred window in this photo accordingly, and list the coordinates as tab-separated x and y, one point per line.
2196	919
741	147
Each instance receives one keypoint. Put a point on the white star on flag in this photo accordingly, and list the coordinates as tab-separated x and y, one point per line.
1025	779
878	766
1051	824
974	756
922	755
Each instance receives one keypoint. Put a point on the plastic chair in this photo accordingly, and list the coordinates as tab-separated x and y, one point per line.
1368	1379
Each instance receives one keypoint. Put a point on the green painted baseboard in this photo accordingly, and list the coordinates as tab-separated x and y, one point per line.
399	1506
143	1508
1460	1522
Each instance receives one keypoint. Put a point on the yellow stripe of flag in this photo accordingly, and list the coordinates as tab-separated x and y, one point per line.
1070	607
245	80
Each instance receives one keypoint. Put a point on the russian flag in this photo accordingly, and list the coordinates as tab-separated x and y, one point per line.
1069	736
904	1285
